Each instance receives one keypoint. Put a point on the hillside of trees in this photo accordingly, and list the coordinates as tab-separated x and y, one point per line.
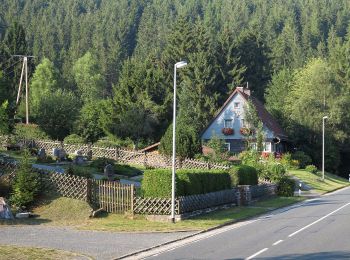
104	68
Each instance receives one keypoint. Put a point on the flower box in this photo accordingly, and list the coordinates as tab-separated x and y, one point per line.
227	131
245	131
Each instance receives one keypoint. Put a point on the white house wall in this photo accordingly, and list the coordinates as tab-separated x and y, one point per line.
230	112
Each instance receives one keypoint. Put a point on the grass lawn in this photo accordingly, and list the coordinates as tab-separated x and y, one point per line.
74	213
18	155
33	253
331	182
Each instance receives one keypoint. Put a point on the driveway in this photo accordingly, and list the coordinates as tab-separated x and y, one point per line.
97	244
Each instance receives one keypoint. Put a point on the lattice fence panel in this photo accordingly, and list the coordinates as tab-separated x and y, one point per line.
110	153
68	186
72	148
47	145
158	206
7	170
203	201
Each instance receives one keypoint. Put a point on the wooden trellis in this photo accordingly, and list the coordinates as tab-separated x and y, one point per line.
74	187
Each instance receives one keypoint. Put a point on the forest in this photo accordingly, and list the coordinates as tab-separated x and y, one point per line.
103	69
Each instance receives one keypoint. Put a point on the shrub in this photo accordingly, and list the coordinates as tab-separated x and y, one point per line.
303	158
115	142
311	168
73	139
48	159
243	175
100	163
157	183
275	171
26	185
285	187
30	131
76	171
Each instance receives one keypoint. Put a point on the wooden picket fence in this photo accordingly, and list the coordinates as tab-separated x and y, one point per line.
112	197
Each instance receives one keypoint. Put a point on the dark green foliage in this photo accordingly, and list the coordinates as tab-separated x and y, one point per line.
157	183
73	139
5	187
302	158
243	175
78	171
56	113
285	187
101	162
187	141
126	170
26	185
47	159
311	168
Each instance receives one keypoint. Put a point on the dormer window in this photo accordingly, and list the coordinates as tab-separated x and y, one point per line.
228	123
236	104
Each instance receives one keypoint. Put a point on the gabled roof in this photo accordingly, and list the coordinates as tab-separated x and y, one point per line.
263	114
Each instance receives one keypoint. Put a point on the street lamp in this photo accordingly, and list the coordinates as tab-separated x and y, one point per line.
323	119
177	65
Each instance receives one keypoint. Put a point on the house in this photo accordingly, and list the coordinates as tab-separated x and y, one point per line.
229	124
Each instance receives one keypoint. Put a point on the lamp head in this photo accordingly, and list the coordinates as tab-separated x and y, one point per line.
180	64
325	117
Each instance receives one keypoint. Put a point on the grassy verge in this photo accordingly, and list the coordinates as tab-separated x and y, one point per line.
74	213
18	155
331	182
33	253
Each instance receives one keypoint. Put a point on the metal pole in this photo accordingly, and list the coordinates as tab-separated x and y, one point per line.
174	154
323	148
27	91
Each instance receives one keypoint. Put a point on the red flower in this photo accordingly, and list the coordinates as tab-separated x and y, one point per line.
245	131
227	131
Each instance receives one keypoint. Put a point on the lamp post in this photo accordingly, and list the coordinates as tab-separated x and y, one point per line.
323	120
177	65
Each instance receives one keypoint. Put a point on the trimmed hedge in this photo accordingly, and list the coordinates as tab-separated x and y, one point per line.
243	175
157	183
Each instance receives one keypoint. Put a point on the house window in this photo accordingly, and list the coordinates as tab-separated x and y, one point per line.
267	147
242	122
228	123
227	147
236	104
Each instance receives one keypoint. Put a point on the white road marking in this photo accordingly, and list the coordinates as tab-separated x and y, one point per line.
277	242
313	223
257	253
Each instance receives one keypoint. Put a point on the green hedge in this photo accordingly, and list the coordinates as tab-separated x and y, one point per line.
157	183
243	175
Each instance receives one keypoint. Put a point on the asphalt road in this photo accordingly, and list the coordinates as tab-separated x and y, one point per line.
315	229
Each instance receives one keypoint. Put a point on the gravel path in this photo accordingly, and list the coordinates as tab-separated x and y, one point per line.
97	244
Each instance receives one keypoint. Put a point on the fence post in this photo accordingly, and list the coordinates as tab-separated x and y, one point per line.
208	165
132	198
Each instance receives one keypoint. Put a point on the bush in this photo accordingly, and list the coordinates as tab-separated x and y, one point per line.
100	163
76	171
114	142
73	139
311	168
275	172
187	141
243	175
30	131
26	185
157	183
303	158
285	187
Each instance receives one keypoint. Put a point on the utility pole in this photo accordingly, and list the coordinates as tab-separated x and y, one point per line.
24	68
